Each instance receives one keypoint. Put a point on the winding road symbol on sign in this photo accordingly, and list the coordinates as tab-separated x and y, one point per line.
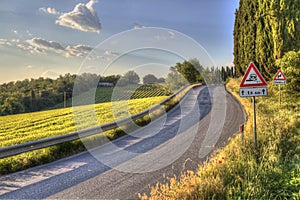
253	78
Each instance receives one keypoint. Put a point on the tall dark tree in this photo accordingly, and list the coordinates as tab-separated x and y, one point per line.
263	32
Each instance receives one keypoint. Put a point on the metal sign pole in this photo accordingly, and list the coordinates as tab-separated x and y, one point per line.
279	94
254	122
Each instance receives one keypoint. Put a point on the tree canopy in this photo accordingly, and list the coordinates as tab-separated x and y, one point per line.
290	64
149	79
130	77
263	32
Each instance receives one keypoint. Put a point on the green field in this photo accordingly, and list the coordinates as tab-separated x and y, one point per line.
16	129
108	94
21	128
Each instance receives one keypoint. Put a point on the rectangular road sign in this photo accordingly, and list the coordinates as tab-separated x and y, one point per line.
279	82
253	92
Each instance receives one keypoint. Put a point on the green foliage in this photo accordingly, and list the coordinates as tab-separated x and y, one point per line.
263	32
175	80
40	94
11	105
149	78
130	77
190	70
185	73
290	64
227	72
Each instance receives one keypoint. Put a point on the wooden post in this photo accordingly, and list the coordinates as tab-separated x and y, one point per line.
65	99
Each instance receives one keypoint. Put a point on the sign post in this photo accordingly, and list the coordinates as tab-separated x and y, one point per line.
253	84
279	79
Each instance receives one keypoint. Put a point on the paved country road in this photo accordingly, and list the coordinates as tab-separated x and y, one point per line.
120	170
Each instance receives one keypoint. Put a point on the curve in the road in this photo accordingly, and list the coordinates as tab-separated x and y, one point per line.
85	177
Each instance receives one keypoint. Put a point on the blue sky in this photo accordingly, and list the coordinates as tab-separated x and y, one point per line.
51	37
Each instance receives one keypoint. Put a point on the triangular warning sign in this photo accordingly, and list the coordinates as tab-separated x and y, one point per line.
253	77
279	76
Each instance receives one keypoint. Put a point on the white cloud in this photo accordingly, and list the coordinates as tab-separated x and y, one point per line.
137	26
164	36
29	67
3	41
91	3
83	17
10	43
28	33
171	34
42	44
50	74
229	64
78	50
51	11
110	53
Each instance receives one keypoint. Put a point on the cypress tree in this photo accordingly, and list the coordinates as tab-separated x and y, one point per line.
263	32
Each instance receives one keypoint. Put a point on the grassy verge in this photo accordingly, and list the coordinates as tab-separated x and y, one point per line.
238	171
22	128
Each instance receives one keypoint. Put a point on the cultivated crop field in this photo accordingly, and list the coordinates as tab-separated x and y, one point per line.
16	129
108	94
21	128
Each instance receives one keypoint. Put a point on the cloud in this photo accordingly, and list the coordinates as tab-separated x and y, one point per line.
29	67
3	41
164	36
171	34
28	33
83	17
111	53
51	11
50	74
137	26
229	64
78	50
10	43
42	44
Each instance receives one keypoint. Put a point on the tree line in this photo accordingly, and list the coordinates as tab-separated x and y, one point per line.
43	93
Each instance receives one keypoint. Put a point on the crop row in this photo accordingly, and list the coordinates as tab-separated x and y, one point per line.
16	129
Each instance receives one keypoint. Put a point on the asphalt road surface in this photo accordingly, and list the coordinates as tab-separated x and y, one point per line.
174	143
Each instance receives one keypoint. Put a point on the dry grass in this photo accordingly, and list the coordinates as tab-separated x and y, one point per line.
238	171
